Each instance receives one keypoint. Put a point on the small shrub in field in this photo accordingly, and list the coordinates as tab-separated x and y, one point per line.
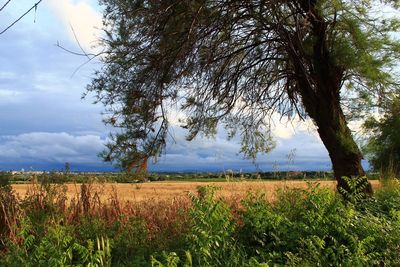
355	188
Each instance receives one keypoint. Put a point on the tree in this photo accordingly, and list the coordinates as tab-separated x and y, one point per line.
238	62
67	168
383	147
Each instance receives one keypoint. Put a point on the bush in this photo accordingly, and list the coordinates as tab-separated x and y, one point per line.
57	248
301	227
317	227
212	237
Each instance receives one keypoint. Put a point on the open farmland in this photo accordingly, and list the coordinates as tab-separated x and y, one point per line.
169	189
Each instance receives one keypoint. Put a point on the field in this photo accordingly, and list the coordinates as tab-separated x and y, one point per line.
306	223
169	189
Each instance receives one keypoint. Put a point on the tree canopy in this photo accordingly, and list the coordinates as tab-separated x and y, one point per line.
383	147
238	62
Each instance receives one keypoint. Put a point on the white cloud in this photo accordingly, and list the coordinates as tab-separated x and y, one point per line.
81	15
286	129
175	116
282	131
50	147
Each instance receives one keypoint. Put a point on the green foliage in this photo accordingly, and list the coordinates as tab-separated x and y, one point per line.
123	177
5	178
387	197
211	239
383	147
88	228
57	248
354	189
315	227
45	202
172	260
300	227
130	242
52	177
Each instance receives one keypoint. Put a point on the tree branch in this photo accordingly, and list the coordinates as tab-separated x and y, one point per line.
23	15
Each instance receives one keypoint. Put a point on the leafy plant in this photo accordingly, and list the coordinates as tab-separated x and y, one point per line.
172	260
383	146
211	239
300	227
354	189
58	248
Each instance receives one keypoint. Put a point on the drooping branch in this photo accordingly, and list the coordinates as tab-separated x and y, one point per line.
237	63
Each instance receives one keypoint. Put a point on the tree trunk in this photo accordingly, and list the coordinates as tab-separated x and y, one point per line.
319	81
343	150
324	108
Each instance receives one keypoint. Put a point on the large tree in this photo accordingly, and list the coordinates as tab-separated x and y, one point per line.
238	62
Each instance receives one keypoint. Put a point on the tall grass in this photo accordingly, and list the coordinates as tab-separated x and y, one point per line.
300	227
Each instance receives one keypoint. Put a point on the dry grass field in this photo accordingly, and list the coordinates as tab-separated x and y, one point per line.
169	190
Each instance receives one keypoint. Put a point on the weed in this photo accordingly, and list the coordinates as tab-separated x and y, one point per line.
300	227
10	214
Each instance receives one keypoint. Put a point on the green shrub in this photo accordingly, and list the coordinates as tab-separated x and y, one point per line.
212	237
318	228
44	202
131	243
388	196
5	178
171	260
57	248
301	227
90	227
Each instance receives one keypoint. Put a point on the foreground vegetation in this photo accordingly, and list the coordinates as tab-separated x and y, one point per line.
311	227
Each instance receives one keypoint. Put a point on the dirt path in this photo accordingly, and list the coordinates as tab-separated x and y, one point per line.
169	190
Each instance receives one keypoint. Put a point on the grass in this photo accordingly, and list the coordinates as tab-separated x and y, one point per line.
291	223
169	189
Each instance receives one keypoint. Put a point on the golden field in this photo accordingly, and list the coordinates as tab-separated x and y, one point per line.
168	190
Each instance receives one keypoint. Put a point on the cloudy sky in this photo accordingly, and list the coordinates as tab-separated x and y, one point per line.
45	123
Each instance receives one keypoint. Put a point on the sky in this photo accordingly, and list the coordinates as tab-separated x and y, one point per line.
45	123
